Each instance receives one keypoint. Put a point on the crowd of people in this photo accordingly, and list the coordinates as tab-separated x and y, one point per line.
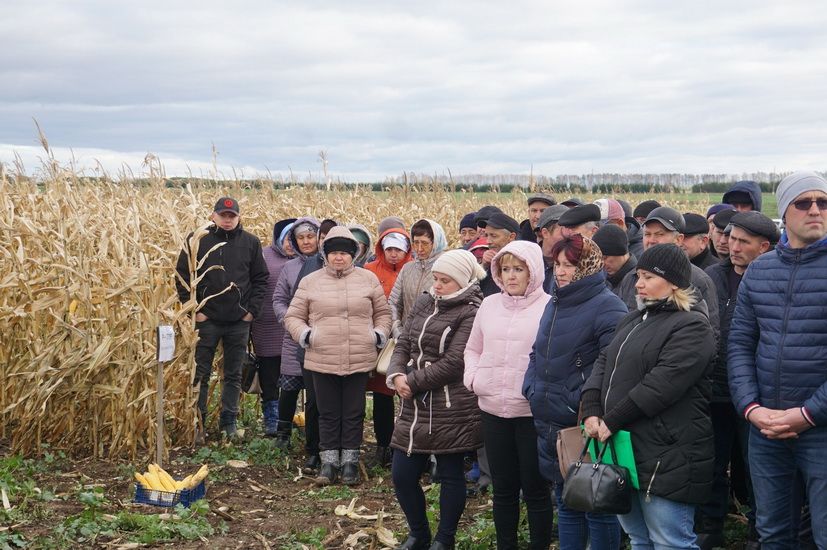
703	336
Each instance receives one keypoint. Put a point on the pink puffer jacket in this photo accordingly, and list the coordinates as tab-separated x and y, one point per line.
496	356
343	312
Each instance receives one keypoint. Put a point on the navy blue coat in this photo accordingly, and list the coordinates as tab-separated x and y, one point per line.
778	338
578	322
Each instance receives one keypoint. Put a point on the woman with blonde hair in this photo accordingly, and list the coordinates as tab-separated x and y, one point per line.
653	381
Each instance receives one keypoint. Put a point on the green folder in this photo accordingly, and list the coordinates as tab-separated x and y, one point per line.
622	442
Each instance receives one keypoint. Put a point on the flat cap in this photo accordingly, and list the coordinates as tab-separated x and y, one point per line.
669	217
695	224
756	224
551	215
482	215
501	220
642	210
580	215
574	201
722	218
541	197
715	208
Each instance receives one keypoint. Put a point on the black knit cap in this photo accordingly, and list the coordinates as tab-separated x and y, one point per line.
612	240
695	224
580	215
642	210
722	218
500	220
756	223
468	221
340	244
667	261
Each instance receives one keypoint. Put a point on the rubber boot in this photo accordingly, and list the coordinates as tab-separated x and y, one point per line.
350	466
227	425
283	435
329	469
270	411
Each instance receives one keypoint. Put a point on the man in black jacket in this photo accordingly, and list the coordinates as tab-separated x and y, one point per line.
751	235
230	290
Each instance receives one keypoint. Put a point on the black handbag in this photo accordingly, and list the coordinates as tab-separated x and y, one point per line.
597	487
249	373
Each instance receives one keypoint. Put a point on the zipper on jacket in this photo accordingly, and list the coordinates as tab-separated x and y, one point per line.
551	330
447	397
418	359
784	331
617	357
413	424
445	334
651	481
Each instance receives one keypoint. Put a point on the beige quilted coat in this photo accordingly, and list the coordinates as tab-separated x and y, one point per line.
343	313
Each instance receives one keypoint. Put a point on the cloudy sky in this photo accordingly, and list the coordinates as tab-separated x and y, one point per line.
389	86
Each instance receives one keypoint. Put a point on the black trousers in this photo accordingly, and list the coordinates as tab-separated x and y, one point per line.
269	370
311	414
406	471
511	446
234	337
382	418
341	402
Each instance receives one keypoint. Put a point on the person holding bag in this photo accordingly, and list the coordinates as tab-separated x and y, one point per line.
438	414
653	381
496	359
578	322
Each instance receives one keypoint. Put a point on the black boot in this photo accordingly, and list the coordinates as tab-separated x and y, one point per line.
415	544
350	466
437	545
311	465
283	435
329	468
383	457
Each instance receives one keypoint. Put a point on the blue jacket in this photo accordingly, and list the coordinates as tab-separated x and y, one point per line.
750	188
778	337
578	322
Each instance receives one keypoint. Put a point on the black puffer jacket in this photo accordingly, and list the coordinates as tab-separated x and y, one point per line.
719	273
443	417
652	380
243	267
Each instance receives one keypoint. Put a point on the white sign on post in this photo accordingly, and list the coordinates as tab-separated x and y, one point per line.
166	343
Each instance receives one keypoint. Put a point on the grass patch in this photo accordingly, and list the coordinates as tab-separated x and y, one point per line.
333	492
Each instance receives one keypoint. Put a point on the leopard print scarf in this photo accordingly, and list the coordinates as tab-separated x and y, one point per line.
591	260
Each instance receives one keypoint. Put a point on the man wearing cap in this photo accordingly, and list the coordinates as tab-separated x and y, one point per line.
536	204
752	234
710	214
230	294
468	230
572	202
548	234
696	241
720	232
666	225
642	210
617	260
611	212
744	196
481	218
777	367
500	230
582	220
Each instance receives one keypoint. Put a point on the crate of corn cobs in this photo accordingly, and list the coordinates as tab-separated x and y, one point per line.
157	488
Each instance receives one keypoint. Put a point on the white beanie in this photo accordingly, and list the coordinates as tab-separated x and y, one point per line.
795	184
460	265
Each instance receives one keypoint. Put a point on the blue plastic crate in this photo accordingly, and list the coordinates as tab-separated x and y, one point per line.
167	499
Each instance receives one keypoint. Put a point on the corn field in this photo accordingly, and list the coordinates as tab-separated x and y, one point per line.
89	273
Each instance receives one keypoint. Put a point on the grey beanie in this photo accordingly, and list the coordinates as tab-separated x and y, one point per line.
795	184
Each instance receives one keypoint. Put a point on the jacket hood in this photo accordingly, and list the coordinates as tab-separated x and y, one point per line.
528	252
750	188
306	219
440	241
361	234
277	229
379	252
339	231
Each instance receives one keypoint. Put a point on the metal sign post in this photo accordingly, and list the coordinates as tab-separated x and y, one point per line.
165	346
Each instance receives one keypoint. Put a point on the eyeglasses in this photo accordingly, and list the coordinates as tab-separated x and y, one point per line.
805	204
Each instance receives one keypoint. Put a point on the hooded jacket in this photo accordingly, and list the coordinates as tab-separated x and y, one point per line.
750	188
385	272
415	277
285	289
266	331
578	322
238	263
778	336
652	380
497	353
342	317
443	416
361	258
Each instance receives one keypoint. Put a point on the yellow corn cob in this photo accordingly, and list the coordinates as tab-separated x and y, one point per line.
154	482
298	419
199	476
184	483
142	480
165	478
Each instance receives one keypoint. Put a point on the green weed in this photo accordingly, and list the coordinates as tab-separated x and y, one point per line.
301	540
